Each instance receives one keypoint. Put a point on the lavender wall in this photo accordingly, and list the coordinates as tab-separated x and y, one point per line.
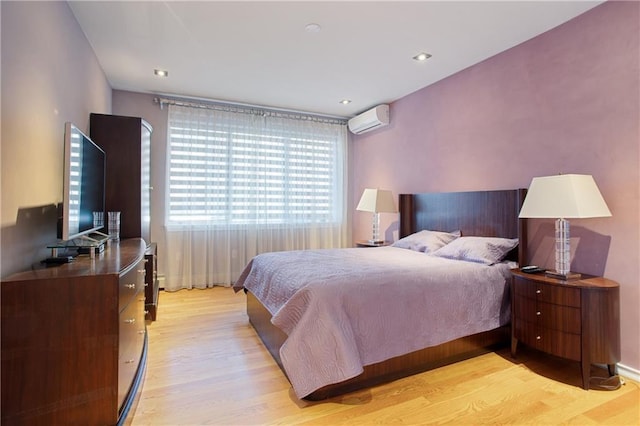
50	75
566	101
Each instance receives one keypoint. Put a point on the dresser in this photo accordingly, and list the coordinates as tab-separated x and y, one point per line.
576	319
74	339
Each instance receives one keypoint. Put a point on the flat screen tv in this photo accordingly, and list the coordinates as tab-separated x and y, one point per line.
83	186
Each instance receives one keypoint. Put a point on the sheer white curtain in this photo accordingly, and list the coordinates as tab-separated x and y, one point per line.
242	182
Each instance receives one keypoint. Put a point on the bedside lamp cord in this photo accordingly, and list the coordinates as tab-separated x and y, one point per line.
608	383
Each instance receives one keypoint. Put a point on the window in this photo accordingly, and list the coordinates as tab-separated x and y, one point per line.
239	168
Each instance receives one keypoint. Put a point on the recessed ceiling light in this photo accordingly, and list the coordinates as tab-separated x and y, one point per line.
312	28
345	101
161	73
422	56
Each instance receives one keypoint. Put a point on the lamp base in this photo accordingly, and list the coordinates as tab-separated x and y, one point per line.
561	276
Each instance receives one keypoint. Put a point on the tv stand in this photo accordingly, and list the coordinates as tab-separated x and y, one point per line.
96	236
92	244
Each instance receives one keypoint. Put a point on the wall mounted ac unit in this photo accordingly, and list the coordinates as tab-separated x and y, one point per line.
370	120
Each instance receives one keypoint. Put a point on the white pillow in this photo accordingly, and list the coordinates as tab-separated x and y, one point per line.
426	241
487	250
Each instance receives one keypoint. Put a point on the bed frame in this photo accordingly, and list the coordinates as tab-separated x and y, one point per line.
484	213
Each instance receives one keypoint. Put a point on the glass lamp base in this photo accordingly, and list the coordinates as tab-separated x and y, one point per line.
375	239
563	249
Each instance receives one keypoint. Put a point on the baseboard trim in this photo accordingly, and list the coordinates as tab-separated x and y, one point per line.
628	372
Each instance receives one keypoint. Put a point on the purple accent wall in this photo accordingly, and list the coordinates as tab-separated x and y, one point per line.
50	75
566	101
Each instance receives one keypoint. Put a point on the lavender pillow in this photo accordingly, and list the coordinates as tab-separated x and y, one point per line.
487	250
426	241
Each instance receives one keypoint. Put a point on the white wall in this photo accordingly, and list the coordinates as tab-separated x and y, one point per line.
50	75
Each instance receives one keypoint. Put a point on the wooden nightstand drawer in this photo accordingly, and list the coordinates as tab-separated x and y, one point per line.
559	295
561	318
548	315
554	342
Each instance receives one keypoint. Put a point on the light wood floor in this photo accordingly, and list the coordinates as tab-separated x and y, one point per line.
206	365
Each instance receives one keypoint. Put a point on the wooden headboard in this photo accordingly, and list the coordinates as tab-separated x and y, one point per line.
478	213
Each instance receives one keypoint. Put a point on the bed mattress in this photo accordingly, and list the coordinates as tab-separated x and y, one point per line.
343	309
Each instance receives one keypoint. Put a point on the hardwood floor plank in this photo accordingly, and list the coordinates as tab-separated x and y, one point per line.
206	365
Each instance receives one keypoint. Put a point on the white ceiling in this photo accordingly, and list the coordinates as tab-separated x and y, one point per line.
259	52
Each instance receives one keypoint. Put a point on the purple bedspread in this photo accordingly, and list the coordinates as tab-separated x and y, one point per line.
343	309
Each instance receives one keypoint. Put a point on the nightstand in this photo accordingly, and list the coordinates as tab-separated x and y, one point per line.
366	243
577	319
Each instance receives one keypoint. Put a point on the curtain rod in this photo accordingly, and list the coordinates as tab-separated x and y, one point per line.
248	109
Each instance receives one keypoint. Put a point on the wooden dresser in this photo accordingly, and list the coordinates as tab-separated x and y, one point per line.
576	319
74	339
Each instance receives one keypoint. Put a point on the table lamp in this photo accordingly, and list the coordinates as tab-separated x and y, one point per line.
563	197
376	201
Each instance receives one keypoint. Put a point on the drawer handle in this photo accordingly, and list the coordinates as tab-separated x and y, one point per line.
538	313
146	285
146	312
130	321
142	299
130	361
130	285
538	337
141	271
538	291
141	331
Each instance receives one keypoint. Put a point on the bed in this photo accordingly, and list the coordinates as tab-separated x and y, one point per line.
325	330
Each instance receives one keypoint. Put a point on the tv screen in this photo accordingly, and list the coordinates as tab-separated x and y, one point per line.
83	186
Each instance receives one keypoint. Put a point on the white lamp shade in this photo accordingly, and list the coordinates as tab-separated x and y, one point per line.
564	196
377	201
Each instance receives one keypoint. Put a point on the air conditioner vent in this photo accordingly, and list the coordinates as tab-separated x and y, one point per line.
370	120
